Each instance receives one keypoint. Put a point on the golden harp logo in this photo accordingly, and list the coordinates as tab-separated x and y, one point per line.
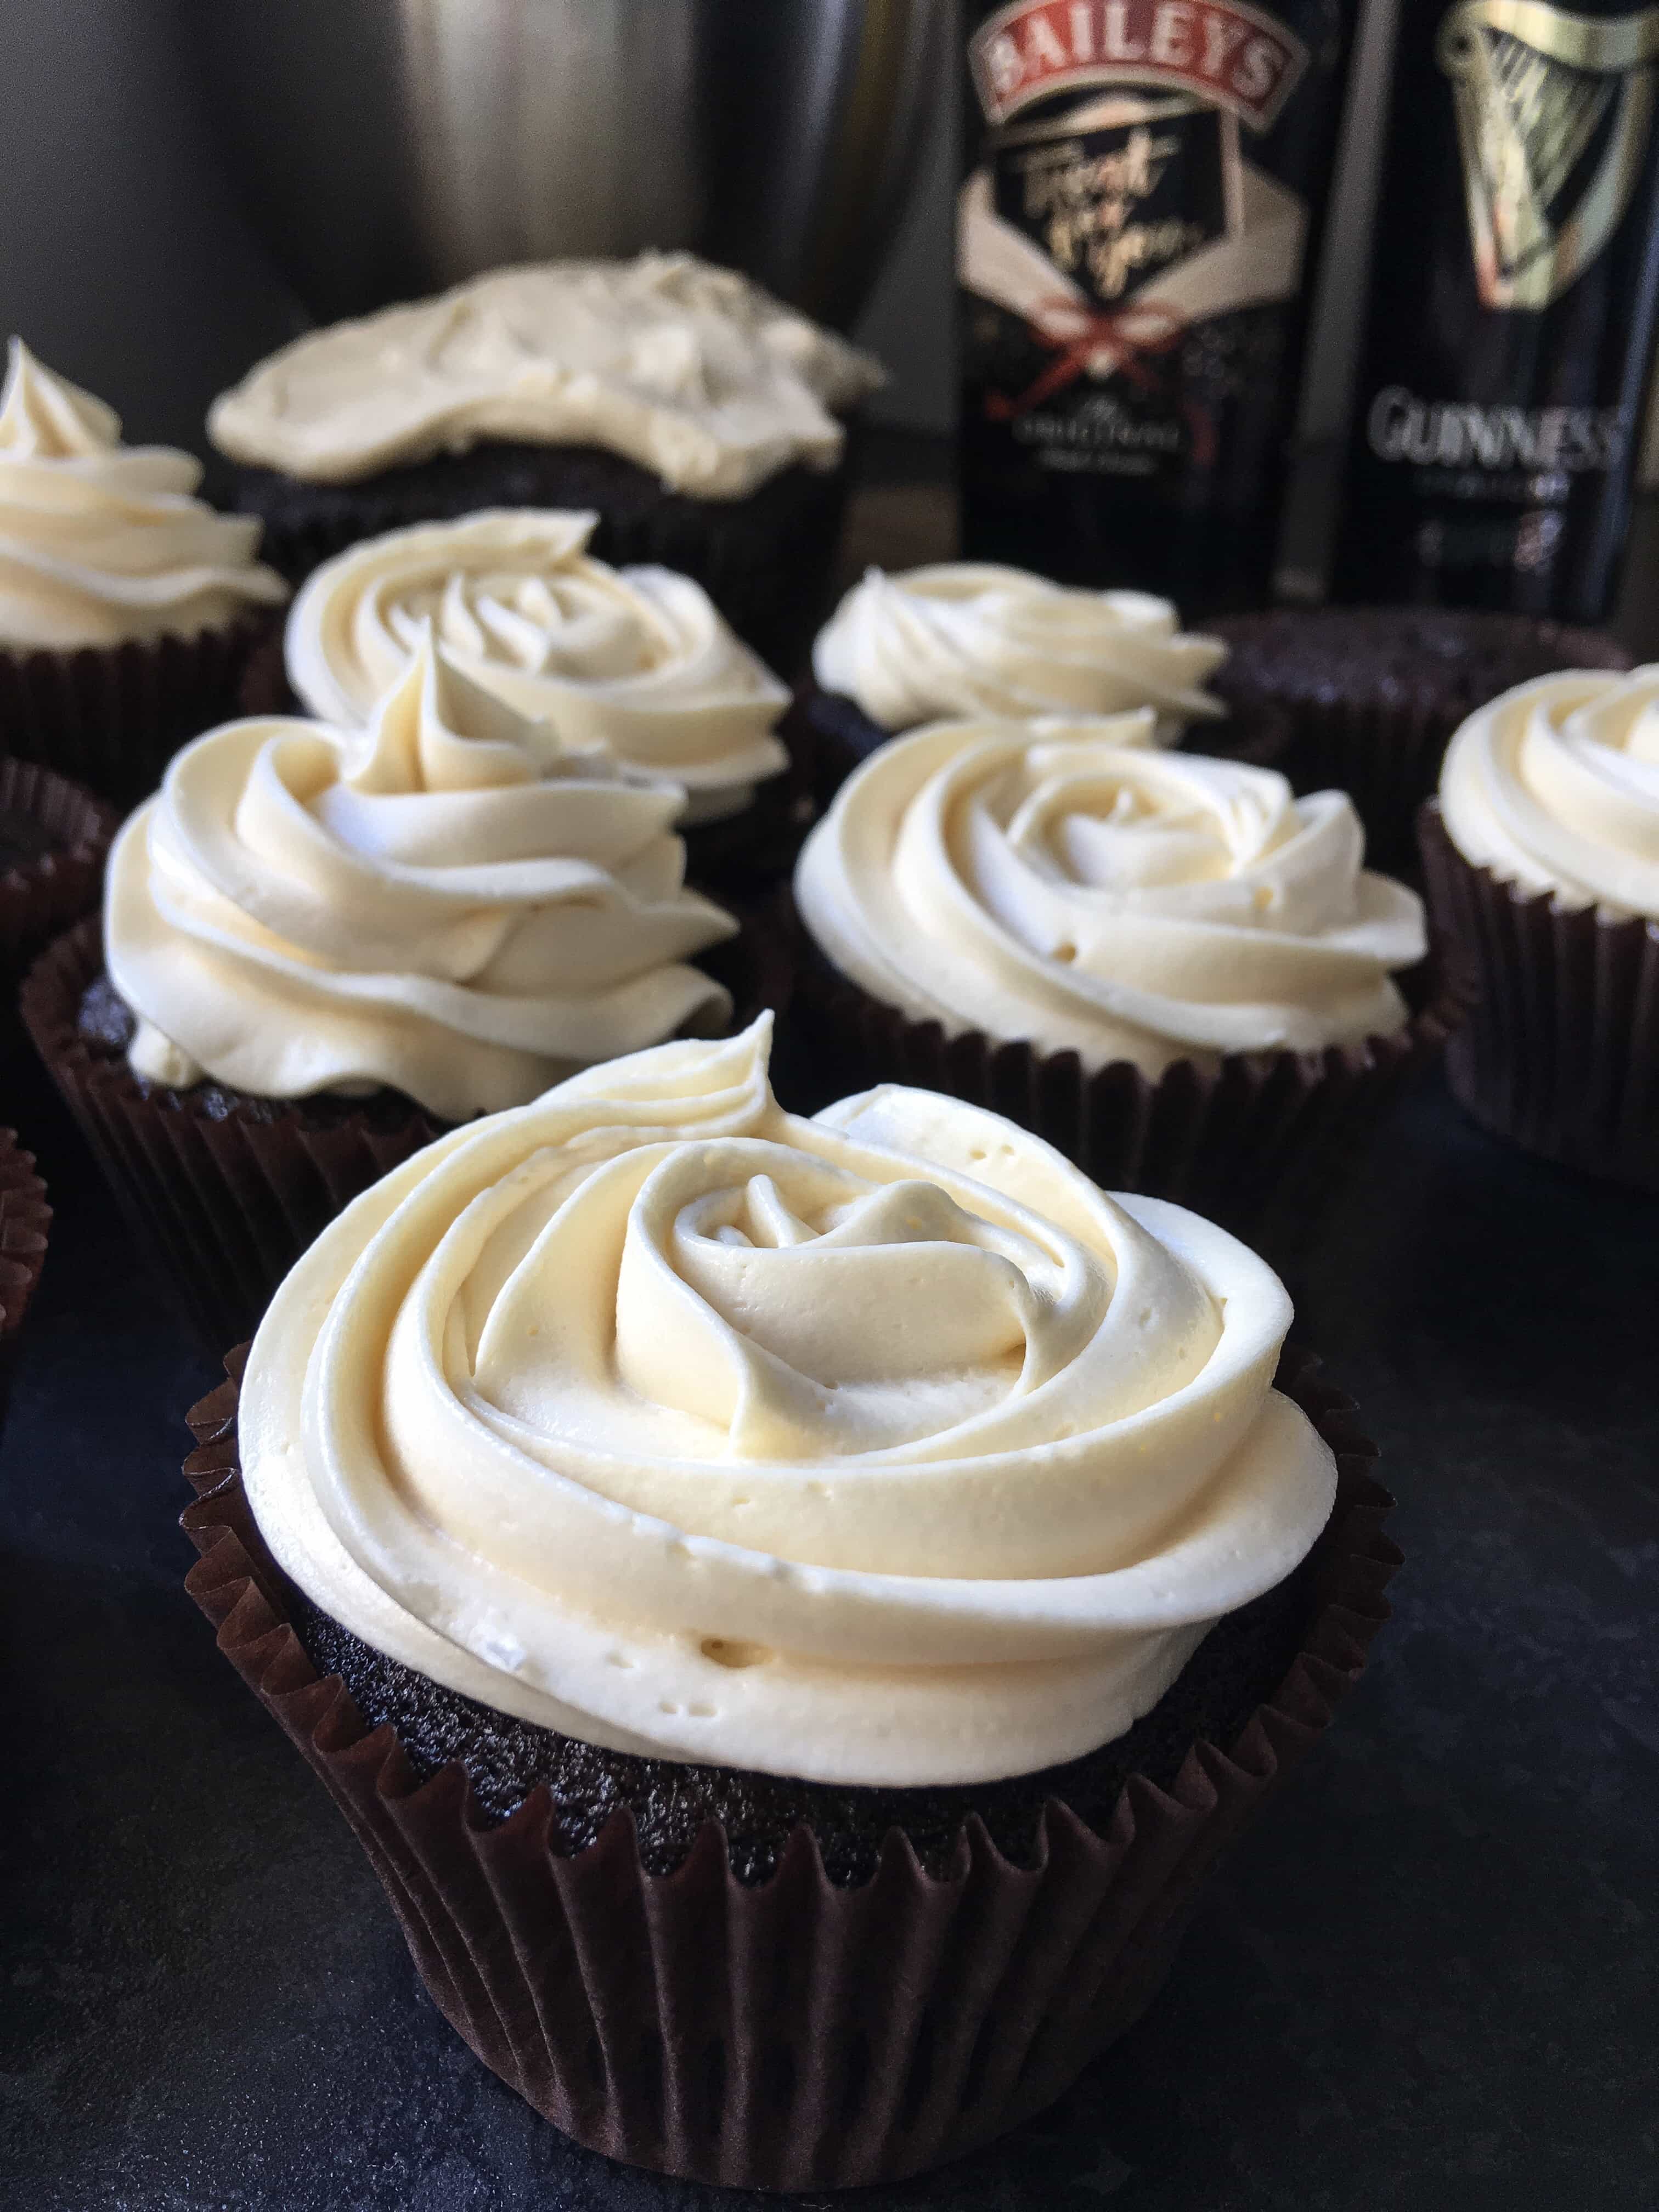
1555	113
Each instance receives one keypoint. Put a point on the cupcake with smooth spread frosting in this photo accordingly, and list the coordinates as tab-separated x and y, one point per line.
704	422
637	664
126	603
1543	866
1096	936
406	925
664	1449
967	638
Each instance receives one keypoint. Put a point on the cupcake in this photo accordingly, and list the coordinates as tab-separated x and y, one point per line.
1170	967
1542	862
127	605
968	640
790	1608
53	838
703	420
322	946
25	1217
635	663
1365	698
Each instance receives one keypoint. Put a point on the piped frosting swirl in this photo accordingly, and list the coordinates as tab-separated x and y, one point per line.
877	1448
1123	903
1555	786
441	902
637	663
101	543
967	638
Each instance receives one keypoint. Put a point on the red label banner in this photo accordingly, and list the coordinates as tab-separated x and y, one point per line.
1231	54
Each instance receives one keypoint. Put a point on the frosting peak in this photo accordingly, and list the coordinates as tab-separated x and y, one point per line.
637	663
101	543
879	1447
1038	883
1555	785
690	370
433	903
969	638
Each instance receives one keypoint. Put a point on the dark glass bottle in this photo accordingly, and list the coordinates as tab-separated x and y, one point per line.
1511	319
1136	240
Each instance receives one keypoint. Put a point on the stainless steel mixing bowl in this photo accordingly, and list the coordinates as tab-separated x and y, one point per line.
385	148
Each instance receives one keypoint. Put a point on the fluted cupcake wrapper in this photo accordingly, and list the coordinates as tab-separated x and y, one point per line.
791	2034
1382	739
1259	1146
112	716
1560	1052
741	853
39	899
225	1192
25	1217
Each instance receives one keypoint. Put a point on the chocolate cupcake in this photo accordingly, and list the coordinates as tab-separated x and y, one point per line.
53	840
127	605
789	1680
1542	860
321	947
25	1217
967	640
1365	699
637	665
1176	971
702	421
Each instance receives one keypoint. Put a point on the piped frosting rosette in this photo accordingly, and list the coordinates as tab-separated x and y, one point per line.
637	662
101	543
969	638
431	904
1125	905
877	1448
1555	786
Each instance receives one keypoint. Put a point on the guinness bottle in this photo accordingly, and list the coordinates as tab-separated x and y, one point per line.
1135	243
1511	320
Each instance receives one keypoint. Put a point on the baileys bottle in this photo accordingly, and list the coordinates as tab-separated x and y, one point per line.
1136	238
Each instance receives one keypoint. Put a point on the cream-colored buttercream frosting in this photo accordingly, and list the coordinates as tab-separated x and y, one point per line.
877	1448
1555	786
1117	903
429	903
102	542
636	662
691	371
967	638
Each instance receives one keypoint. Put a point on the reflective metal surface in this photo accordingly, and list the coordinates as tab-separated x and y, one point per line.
385	148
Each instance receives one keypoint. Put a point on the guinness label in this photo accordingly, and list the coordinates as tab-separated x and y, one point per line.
1511	317
1133	240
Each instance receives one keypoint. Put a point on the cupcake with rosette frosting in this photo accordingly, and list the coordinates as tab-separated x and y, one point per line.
1171	965
322	941
703	421
127	604
1542	856
782	1484
970	640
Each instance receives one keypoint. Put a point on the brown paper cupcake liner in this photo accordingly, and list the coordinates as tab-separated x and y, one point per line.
38	899
1560	1052
112	717
1371	711
225	1192
794	2034
1259	1146
25	1217
745	851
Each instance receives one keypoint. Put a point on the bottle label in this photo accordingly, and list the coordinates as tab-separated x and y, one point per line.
1116	221
1554	112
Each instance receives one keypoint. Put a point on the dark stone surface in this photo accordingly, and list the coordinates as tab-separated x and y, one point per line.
1427	1978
